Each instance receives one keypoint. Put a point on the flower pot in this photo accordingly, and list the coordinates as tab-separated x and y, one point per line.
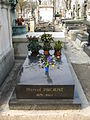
58	53
35	53
45	52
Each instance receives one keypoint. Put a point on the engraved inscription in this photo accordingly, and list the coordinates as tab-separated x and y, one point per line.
33	90
47	92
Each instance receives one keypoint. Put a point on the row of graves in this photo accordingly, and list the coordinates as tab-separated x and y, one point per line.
44	26
79	29
23	26
45	78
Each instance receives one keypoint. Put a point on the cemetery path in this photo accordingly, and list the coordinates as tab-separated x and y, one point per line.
9	84
81	65
83	73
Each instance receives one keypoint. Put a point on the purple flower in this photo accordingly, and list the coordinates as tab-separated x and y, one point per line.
49	59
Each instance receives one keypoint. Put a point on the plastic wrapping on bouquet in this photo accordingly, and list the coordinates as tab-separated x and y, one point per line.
46	69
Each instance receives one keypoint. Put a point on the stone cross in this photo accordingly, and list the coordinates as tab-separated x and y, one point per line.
39	2
78	10
73	13
85	8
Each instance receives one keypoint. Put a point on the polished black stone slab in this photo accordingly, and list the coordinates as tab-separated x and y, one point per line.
35	84
44	104
44	91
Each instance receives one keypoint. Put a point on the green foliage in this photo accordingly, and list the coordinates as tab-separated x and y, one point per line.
47	46
46	38
58	45
11	1
33	44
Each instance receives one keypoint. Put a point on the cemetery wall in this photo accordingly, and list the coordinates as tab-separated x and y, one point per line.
6	48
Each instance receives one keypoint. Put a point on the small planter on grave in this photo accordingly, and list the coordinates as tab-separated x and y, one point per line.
33	45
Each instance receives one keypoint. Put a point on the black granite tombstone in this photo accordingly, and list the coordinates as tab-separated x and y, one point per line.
34	83
38	87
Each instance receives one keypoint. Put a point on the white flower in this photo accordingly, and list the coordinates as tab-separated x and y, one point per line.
41	52
51	52
29	53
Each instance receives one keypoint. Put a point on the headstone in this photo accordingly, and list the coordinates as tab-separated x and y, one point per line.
81	39
31	25
73	14
27	27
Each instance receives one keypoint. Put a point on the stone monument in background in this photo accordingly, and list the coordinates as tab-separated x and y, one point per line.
6	48
32	23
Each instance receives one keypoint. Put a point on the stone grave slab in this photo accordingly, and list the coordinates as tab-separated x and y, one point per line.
40	88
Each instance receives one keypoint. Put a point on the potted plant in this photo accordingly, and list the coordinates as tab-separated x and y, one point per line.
33	45
46	48
46	39
58	46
